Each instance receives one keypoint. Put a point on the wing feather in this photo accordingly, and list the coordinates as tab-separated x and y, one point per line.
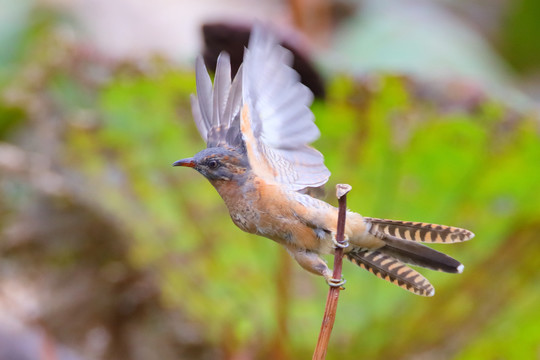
234	101
204	93
281	123
198	117
216	109
222	84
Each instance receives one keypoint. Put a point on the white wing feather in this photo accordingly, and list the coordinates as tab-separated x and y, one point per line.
281	122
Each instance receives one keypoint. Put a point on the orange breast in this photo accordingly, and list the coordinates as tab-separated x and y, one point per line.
263	209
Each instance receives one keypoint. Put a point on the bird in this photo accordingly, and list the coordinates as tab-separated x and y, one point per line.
258	127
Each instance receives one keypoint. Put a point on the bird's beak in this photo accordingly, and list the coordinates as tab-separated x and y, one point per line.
189	162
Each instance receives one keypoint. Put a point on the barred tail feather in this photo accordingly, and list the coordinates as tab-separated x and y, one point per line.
417	231
390	269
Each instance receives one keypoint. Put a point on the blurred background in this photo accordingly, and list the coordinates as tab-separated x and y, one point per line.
429	109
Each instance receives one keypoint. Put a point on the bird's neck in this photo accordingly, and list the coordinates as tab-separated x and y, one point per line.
232	190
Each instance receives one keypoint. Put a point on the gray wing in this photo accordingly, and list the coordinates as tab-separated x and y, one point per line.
216	109
276	122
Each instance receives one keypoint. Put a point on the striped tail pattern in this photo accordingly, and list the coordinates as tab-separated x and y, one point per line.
418	231
402	246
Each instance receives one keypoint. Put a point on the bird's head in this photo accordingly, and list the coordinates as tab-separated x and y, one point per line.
217	163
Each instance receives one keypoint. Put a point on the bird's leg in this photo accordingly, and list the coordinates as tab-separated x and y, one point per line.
338	244
311	261
336	282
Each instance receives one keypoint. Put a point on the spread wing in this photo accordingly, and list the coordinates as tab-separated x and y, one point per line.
216	109
276	122
264	110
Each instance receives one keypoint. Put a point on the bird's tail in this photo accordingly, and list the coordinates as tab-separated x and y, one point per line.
417	231
391	269
402	246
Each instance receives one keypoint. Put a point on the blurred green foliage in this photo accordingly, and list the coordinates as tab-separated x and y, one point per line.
518	39
405	157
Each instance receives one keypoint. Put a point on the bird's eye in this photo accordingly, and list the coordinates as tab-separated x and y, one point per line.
213	164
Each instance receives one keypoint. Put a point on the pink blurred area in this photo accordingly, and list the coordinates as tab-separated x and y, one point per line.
124	29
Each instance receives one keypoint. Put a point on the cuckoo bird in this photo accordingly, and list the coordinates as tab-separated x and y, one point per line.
258	128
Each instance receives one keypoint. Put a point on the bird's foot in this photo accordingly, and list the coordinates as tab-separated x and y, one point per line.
336	282
338	244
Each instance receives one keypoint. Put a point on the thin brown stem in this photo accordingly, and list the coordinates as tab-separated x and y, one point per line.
333	292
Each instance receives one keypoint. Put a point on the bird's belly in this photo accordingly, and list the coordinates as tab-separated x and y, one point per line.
286	230
265	211
270	225
245	220
289	231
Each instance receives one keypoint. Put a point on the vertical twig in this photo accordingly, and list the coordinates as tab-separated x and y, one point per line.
333	292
